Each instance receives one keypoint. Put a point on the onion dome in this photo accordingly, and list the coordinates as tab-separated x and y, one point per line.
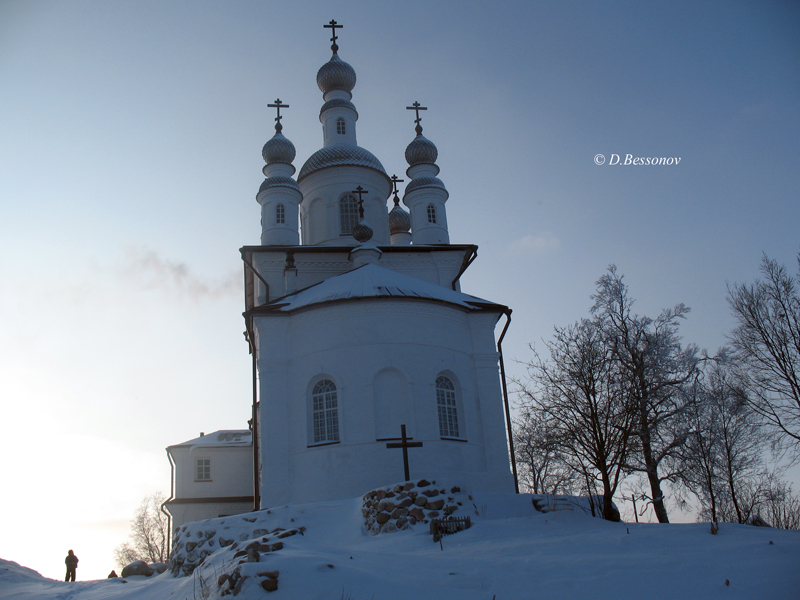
421	151
340	155
399	219
336	75
362	232
425	182
278	150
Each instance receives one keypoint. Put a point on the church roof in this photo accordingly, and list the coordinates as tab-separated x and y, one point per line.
223	437
372	281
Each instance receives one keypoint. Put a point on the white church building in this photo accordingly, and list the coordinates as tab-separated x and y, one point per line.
357	324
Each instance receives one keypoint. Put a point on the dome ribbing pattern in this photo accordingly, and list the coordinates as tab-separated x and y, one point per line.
336	75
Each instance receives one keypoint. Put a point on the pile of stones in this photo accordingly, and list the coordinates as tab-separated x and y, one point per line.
403	505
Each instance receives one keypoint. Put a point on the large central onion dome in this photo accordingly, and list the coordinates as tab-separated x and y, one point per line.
336	75
341	155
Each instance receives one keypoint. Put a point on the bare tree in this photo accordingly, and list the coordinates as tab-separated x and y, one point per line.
578	393
655	370
781	507
149	534
541	466
724	451
767	340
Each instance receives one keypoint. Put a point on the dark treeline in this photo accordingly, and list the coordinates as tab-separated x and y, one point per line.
617	398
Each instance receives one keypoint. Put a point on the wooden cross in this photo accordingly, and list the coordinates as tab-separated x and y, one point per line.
359	190
416	107
279	105
333	26
405	444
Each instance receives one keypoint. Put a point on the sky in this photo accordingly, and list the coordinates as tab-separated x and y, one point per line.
131	156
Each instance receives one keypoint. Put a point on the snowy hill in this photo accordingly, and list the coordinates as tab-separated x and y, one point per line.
512	551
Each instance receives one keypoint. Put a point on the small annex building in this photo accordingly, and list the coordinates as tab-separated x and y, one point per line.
212	476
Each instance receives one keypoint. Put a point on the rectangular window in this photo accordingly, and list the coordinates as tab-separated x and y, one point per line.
203	470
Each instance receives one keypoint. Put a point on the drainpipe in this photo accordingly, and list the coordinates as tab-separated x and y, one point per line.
171	497
256	487
507	313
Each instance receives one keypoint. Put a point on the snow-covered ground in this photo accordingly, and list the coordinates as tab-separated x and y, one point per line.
510	552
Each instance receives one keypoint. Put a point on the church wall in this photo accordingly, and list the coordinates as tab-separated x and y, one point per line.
377	352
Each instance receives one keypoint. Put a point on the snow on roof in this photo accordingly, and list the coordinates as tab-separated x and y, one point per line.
223	437
372	281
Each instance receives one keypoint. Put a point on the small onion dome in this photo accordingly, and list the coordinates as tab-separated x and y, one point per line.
399	220
336	75
362	232
337	102
341	155
278	181
278	150
421	151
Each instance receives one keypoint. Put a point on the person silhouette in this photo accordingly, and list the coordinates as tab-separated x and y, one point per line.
72	564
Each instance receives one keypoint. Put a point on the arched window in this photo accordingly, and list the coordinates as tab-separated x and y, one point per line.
348	214
325	411
431	213
446	403
340	126
280	214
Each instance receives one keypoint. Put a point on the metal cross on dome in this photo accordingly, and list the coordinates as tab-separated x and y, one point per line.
360	190
395	181
278	105
416	107
333	26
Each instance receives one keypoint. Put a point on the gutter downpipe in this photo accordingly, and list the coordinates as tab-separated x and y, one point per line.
171	497
256	486
468	260
507	313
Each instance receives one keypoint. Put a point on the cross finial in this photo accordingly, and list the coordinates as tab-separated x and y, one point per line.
278	105
360	190
333	26
416	107
395	181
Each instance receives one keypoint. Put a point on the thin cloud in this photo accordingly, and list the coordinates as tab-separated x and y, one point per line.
151	271
537	245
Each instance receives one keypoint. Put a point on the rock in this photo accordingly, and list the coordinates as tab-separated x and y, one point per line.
210	534
276	546
408	486
365	512
225	543
435	504
222	579
191	546
383	517
287	533
455	489
259	532
270	585
417	513
449	510
113	573
380	494
137	567
423	483
431	493
158	567
389	527
405	503
238	587
399	512
252	552
433	514
240	553
397	489
420	500
270	574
